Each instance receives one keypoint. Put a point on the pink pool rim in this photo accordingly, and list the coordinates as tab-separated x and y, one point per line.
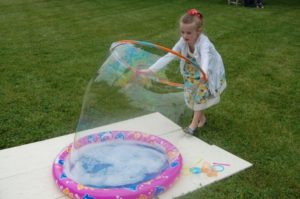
145	190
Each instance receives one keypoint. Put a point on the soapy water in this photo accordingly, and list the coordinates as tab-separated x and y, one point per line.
115	164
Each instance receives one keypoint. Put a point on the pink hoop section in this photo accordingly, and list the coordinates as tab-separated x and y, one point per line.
145	190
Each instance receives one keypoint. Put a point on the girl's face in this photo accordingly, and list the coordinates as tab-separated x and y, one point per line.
189	33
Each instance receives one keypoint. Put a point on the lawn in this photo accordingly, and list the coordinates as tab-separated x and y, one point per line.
51	49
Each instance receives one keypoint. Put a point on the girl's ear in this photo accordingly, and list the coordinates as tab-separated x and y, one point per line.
199	30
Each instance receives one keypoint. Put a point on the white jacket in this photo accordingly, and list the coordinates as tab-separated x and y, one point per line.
206	57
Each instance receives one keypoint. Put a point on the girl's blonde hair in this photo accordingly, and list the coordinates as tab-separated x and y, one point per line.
193	16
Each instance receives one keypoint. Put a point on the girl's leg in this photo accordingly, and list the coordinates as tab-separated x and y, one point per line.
195	120
202	120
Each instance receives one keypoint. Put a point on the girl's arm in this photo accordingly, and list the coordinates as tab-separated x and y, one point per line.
205	56
208	64
163	61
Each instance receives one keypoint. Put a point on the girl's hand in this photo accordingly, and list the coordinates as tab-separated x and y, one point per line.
142	76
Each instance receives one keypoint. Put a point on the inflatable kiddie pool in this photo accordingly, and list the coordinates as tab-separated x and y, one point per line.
146	182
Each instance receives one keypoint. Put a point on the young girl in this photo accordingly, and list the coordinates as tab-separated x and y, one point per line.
199	94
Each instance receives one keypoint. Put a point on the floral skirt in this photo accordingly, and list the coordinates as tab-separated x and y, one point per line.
196	93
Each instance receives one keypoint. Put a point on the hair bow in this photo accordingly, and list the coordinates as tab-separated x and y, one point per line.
195	12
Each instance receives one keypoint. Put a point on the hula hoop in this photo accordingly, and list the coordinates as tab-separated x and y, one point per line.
148	189
148	44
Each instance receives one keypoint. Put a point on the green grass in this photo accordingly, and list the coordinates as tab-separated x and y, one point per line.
50	50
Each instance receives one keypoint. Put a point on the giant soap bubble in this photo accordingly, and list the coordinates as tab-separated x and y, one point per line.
124	163
117	93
